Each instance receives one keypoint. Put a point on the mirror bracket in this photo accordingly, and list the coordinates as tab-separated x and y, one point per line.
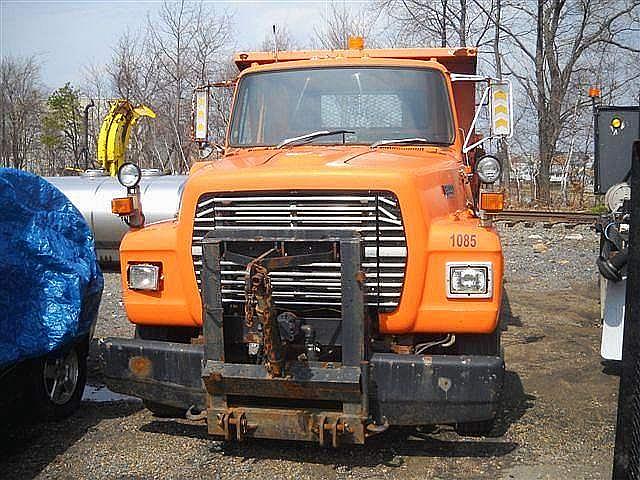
498	93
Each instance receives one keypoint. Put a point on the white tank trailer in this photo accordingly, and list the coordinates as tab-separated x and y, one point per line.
92	192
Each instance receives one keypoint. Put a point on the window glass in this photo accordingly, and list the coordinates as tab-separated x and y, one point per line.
377	103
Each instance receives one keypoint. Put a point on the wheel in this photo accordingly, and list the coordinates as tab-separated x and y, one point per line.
58	382
475	429
163	411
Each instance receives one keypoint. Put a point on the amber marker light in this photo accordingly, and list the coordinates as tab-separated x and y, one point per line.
492	201
356	43
122	206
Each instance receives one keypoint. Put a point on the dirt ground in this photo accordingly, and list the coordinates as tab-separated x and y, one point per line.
557	422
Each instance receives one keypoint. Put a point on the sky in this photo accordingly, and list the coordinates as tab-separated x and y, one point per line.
68	35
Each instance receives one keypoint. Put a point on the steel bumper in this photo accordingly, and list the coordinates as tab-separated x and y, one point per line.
403	389
165	372
422	390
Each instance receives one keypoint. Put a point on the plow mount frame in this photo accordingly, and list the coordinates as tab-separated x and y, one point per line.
345	382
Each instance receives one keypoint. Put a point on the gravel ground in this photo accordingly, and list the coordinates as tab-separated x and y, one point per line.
112	317
557	420
554	257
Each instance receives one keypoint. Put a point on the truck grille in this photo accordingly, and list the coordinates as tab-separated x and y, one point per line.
376	215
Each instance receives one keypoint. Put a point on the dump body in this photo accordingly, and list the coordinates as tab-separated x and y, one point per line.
327	278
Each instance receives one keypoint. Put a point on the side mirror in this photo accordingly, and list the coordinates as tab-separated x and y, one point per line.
497	94
501	109
201	115
200	118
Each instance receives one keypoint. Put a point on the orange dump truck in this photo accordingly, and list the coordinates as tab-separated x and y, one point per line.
333	270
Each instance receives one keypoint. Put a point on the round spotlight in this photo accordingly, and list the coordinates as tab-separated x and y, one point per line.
129	175
488	169
616	196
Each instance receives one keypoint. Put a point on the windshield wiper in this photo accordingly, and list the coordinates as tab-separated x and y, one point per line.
405	140
311	136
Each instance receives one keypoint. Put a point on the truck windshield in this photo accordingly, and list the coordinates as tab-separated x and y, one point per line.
377	103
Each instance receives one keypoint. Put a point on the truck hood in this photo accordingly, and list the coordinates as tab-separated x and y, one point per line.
425	179
325	161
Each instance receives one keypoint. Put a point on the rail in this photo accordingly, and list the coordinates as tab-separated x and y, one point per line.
547	217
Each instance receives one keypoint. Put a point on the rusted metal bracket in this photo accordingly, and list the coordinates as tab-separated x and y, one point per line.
305	381
234	421
337	427
259	301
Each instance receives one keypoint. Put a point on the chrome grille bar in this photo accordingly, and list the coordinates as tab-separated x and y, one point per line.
375	214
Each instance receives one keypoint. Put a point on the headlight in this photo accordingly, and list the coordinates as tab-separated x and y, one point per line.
144	276
469	280
129	175
488	169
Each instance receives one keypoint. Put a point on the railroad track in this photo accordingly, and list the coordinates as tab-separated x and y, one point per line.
547	217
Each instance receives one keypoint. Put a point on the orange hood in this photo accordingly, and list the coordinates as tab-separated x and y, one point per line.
314	167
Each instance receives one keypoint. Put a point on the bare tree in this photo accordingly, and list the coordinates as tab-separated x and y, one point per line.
134	74
564	33
170	37
187	40
21	109
212	38
446	23
282	39
340	21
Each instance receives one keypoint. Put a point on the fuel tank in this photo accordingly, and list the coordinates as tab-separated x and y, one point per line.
92	192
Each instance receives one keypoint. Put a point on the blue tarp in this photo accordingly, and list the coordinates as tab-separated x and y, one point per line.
50	282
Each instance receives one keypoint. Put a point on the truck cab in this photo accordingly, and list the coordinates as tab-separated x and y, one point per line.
333	269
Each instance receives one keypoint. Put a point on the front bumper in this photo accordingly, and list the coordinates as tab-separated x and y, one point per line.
168	373
403	389
421	390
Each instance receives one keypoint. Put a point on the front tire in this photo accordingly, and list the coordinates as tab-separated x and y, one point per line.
58	382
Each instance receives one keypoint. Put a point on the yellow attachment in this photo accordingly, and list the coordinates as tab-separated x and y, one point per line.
115	130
